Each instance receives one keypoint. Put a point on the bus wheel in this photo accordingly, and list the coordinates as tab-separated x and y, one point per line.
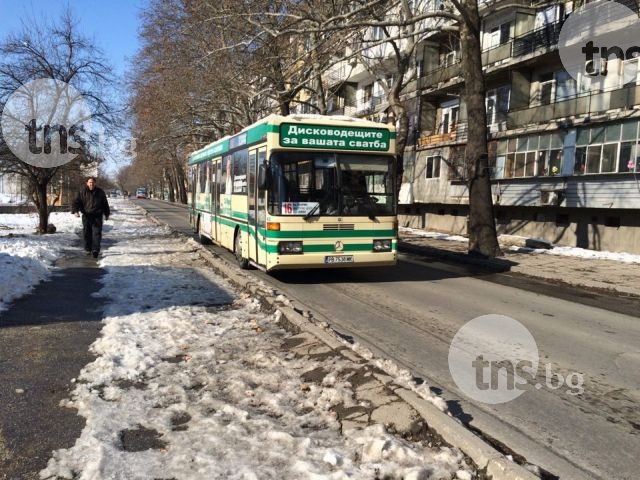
242	262
204	240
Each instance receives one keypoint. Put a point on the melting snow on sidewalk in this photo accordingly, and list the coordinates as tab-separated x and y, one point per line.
190	380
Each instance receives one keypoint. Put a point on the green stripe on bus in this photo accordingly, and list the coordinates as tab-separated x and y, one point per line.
257	133
352	248
230	222
210	151
277	234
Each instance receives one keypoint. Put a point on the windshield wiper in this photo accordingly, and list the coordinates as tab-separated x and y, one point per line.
312	212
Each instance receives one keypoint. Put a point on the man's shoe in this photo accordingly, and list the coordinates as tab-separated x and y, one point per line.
95	254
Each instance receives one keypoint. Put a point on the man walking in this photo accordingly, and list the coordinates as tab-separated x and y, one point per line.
92	203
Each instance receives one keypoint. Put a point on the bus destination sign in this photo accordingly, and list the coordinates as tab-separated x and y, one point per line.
338	137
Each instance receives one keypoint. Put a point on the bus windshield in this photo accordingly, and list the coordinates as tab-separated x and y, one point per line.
317	183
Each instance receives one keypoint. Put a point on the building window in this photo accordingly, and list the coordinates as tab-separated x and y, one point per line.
449	118
528	156
546	89
631	71
450	58
565	86
433	167
609	148
499	35
498	105
557	86
390	80
367	93
377	33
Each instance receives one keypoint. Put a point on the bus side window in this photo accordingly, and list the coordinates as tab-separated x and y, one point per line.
264	177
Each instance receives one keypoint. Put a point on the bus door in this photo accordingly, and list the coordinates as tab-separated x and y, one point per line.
214	198
257	209
215	210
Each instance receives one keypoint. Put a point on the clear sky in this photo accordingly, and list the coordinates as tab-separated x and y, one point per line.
113	24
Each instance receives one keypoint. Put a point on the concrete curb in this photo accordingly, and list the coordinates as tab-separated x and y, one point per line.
496	465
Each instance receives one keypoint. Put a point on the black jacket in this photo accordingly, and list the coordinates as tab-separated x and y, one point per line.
91	202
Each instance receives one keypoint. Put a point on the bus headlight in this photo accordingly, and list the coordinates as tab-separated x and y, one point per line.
289	247
382	245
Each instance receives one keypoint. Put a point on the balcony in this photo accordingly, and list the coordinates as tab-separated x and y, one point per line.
483	5
372	105
348	111
338	73
456	135
541	38
442	74
588	104
344	70
497	54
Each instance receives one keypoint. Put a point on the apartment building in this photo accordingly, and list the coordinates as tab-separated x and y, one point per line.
564	151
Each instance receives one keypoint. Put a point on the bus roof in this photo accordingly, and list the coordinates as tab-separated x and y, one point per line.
258	131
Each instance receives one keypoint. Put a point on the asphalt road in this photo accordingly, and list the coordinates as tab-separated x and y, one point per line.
410	314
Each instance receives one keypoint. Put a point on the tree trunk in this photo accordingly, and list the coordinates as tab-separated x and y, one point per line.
180	181
400	119
316	79
481	228
40	199
172	187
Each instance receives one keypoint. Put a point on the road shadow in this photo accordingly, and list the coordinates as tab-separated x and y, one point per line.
495	264
417	268
147	288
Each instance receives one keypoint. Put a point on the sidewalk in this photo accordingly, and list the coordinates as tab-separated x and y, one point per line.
622	278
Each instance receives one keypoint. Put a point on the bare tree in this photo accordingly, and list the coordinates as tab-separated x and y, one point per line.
483	239
57	52
391	58
232	61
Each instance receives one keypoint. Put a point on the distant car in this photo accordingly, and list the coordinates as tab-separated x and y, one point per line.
141	193
114	194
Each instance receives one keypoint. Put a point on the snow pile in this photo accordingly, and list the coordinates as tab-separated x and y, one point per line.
27	258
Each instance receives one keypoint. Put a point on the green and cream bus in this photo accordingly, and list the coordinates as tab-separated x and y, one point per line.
299	191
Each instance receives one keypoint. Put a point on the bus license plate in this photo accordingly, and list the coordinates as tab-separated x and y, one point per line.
338	259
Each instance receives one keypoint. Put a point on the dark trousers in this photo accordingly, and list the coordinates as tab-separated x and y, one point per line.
92	232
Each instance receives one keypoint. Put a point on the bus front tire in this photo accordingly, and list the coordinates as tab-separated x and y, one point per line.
242	261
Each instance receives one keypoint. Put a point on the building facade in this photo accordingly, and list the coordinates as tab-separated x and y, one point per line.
563	151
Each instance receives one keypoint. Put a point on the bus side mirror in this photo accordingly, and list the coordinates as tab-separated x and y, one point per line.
263	177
